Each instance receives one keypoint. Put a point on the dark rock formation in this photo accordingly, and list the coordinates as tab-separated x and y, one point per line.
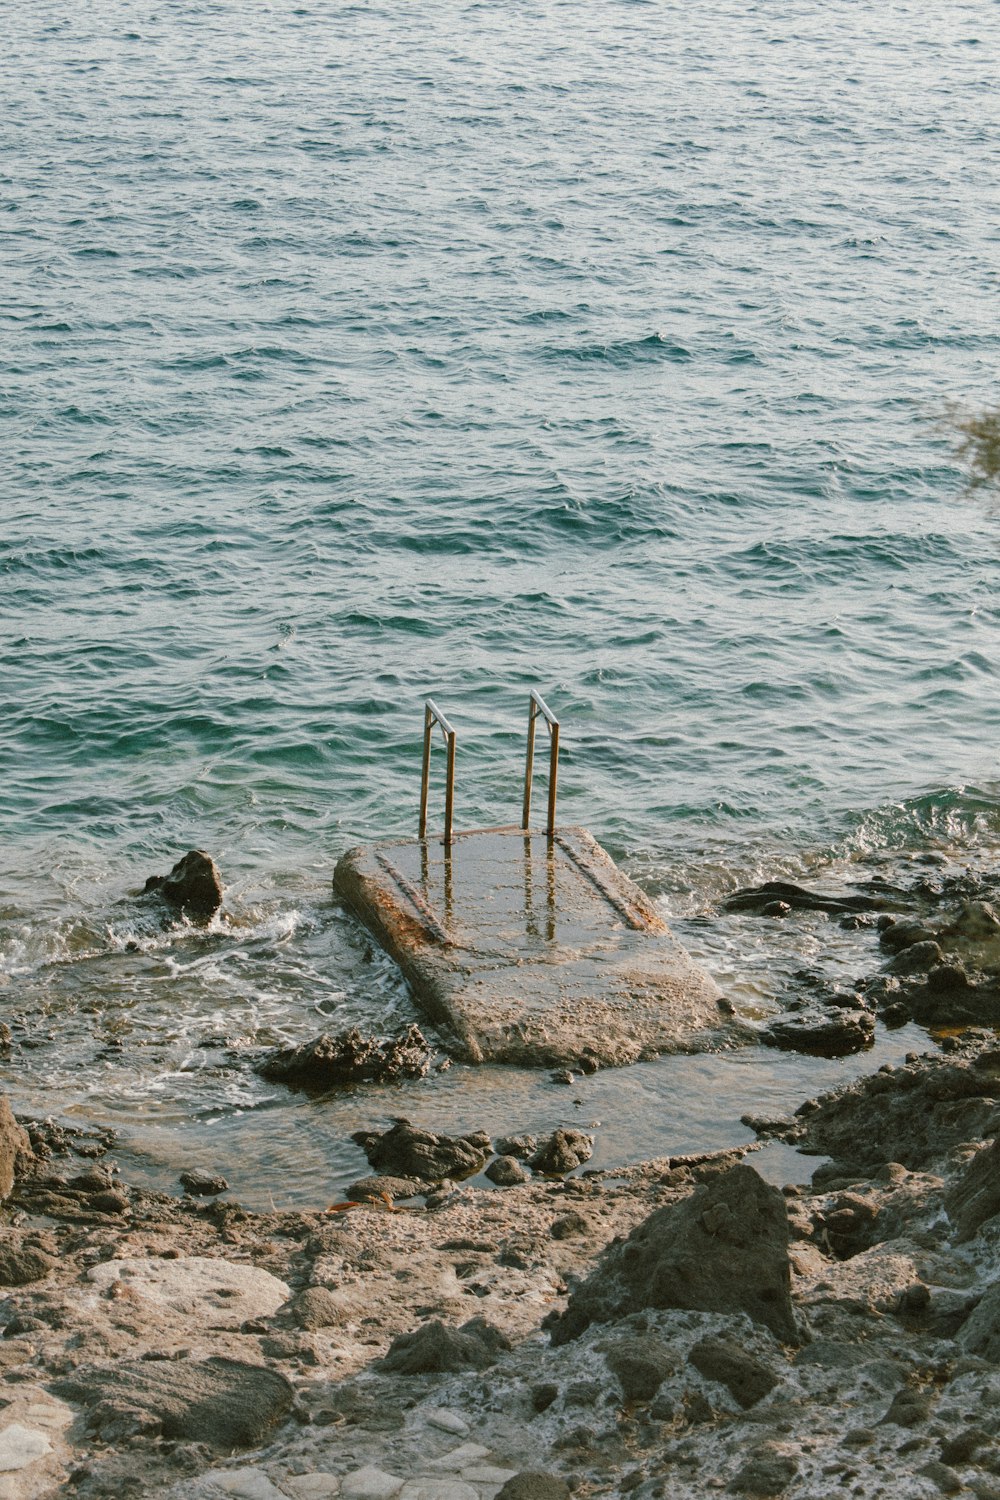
203	1184
531	1484
758	898
348	1057
767	1471
406	1151
913	1114
221	1402
975	1197
747	1379
436	1348
15	1149
22	1262
562	1152
723	1249
980	1333
836	1035
506	1171
642	1363
193	888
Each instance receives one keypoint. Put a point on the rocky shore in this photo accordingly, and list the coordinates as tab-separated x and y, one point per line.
677	1329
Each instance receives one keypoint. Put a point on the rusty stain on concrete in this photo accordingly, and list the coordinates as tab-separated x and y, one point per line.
526	949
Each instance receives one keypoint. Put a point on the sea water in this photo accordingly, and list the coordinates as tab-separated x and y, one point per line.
351	353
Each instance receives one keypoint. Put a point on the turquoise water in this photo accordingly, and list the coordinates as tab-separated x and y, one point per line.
352	353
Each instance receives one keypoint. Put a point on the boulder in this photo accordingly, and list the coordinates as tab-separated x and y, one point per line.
723	1249
193	887
975	1196
506	1171
980	1333
221	1402
562	1152
348	1057
836	1035
20	1261
435	1348
406	1151
203	1184
15	1149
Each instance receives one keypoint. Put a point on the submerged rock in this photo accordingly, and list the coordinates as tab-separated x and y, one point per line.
836	1035
348	1057
723	1249
193	887
758	898
407	1151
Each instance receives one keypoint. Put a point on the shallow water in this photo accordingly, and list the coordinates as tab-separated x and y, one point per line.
351	354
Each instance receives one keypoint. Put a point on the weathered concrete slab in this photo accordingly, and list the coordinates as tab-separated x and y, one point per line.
530	950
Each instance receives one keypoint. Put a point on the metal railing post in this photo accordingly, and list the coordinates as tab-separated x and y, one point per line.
432	716
538	707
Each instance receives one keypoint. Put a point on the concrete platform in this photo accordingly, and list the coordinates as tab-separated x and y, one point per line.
525	949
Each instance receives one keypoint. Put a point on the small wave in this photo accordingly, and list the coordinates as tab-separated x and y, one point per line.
652	349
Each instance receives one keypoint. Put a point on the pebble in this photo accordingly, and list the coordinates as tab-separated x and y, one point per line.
246	1484
448	1421
461	1458
370	1484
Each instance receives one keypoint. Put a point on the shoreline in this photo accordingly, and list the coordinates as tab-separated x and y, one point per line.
292	1314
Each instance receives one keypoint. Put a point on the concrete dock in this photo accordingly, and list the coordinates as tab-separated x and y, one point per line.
527	948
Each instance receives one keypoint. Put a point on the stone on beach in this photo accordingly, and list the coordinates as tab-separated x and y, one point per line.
224	1403
407	1151
836	1035
436	1348
195	1289
723	1249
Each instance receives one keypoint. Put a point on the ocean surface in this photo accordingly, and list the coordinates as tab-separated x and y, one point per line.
353	353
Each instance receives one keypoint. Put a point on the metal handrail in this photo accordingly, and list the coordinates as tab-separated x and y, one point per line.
432	716
536	709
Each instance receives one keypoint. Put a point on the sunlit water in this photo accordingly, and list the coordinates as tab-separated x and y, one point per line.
351	353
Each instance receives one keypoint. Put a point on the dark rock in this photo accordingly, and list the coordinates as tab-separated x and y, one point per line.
949	997
506	1171
835	1035
532	1484
975	1197
766	1472
908	1408
316	1307
747	1379
960	1448
378	1188
913	1114
193	888
775	909
21	1263
348	1057
114	1201
980	1333
755	898
919	958
641	1363
562	1152
221	1402
203	1184
521	1146
15	1149
568	1226
902	935
946	1479
543	1395
976	922
406	1151
723	1249
848	1225
435	1348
